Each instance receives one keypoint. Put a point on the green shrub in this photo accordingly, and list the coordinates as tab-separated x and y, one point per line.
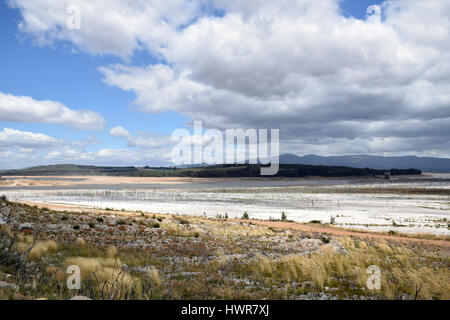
155	225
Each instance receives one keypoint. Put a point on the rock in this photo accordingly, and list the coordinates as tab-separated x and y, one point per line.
193	274
337	246
143	270
80	298
8	285
2	221
310	244
26	227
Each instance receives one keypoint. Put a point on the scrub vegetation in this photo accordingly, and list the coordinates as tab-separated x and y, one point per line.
145	255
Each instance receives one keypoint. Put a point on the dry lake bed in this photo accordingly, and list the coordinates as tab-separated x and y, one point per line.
404	204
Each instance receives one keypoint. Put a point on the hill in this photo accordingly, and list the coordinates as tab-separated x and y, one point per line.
427	164
69	170
222	171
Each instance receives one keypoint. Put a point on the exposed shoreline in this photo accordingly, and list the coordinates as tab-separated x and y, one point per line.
443	241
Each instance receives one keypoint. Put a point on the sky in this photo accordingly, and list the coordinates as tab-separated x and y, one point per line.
336	77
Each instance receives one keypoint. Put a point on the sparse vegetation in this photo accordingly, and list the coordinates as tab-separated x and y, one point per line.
332	220
206	258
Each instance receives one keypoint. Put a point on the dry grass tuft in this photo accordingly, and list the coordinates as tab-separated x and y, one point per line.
153	275
112	251
50	271
7	230
81	242
43	247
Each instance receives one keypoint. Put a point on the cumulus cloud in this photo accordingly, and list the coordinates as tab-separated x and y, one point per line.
5	154
23	148
144	140
107	27
143	149
23	139
106	156
26	109
119	132
331	84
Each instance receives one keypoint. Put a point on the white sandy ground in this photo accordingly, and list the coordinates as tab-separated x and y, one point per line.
428	214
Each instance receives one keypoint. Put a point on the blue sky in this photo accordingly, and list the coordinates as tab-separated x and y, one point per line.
357	9
57	73
65	72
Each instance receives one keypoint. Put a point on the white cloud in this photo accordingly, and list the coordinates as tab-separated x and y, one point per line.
107	27
144	140
341	84
5	154
53	155
26	109
10	138
149	141
105	156
119	132
305	69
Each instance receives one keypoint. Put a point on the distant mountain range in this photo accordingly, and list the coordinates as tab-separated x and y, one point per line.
425	164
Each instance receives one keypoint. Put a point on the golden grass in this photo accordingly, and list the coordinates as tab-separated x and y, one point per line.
153	275
266	261
41	248
401	272
81	242
51	270
7	230
103	270
112	251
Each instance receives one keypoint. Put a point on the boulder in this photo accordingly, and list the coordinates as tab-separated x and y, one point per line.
338	247
12	286
26	227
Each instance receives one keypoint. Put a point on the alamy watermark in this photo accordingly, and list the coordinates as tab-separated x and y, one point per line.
73	21
250	146
74	280
374	280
